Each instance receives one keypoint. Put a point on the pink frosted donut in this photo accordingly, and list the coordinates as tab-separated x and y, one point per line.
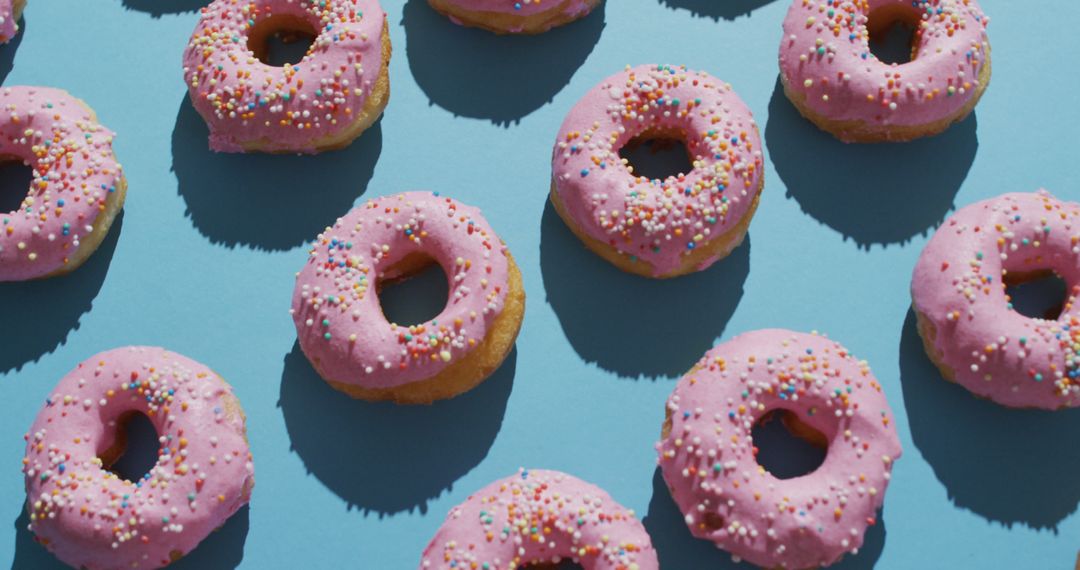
340	323
323	102
77	190
707	452
834	80
659	228
92	519
540	517
10	12
964	312
514	16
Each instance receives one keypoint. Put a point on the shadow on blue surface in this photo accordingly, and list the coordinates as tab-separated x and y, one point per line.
158	8
677	548
1008	466
631	325
478	74
717	9
266	201
54	305
222	550
875	194
386	458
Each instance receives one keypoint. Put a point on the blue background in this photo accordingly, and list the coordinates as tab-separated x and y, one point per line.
204	257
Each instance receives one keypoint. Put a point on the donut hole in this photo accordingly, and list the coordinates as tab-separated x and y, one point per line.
281	40
564	564
414	290
15	180
1039	295
786	446
892	33
134	452
713	522
657	155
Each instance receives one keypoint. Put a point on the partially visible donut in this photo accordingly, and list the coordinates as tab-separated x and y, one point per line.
835	81
659	228
964	312
10	12
707	451
514	16
323	102
535	518
340	323
92	519
78	187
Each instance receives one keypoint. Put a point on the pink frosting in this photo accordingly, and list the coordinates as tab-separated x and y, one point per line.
92	519
708	457
497	528
339	320
958	287
74	172
825	56
575	8
658	221
294	105
8	24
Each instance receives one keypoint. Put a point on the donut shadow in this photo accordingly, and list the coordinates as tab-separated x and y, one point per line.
360	450
677	548
158	8
874	194
264	201
507	76
222	550
50	309
631	325
1006	465
717	9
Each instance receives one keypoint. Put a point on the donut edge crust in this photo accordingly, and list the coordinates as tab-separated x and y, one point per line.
863	132
501	23
373	108
716	248
113	204
465	374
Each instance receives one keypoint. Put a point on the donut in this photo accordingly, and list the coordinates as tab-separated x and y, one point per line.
707	452
323	102
340	324
94	520
964	313
536	518
833	79
10	12
77	190
659	228
514	16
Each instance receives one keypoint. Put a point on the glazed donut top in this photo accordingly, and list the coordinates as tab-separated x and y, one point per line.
959	287
825	59
538	517
523	7
289	107
336	310
89	517
658	221
8	24
708	453
74	173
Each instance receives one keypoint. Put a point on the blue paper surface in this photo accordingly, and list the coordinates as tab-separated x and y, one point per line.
204	258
